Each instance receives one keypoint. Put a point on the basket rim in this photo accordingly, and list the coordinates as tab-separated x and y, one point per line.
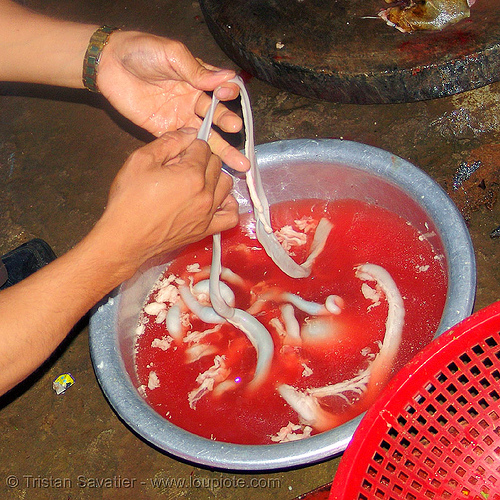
409	379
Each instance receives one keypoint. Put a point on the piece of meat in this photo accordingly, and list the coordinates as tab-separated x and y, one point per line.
417	15
208	379
289	238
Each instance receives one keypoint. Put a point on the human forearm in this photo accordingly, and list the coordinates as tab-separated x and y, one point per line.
37	313
169	193
37	49
153	81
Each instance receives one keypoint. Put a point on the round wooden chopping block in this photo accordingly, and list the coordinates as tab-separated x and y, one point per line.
339	50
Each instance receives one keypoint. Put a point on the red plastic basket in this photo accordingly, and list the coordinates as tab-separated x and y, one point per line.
435	431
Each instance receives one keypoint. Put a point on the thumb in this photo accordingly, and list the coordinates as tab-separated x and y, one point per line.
204	76
170	145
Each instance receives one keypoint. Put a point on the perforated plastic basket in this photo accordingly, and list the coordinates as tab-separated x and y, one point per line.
435	432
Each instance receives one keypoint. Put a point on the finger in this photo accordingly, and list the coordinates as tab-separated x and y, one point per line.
227	91
198	155
226	217
217	182
227	120
197	73
223	117
222	190
207	65
213	174
227	153
212	77
170	145
207	79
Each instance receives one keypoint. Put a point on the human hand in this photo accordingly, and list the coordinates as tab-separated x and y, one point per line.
158	84
168	194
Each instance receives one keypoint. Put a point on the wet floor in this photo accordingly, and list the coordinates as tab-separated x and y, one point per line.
59	152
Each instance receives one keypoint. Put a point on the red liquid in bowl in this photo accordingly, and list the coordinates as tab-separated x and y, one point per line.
361	233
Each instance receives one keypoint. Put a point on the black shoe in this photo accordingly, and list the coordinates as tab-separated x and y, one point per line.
23	261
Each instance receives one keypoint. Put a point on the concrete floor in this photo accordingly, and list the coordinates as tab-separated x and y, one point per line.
59	152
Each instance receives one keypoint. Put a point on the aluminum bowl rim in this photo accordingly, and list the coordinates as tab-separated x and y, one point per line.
144	421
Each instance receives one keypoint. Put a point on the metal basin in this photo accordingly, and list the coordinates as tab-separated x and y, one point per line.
327	169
